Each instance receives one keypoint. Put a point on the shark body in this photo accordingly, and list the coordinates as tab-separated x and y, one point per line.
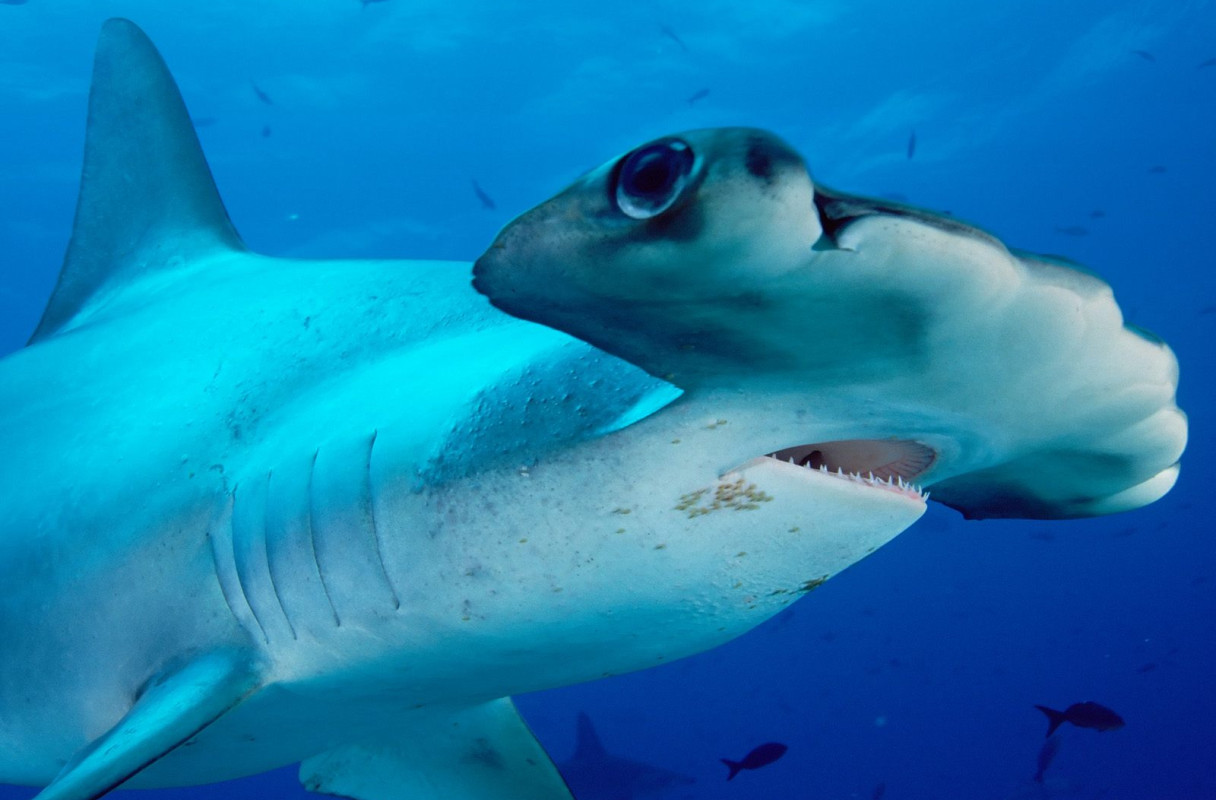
259	511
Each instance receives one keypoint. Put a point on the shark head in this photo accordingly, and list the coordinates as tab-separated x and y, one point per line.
910	345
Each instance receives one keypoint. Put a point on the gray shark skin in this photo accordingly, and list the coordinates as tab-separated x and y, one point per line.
258	511
596	774
1003	381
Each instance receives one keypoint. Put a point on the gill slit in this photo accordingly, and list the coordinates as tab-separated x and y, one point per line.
371	515
274	587
312	540
236	562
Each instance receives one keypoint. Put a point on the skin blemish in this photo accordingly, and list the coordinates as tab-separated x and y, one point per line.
737	496
715	424
813	584
619	510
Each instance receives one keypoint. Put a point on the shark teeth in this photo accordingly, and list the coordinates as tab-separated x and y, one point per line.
891	483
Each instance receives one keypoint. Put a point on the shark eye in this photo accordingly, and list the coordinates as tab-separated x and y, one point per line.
651	178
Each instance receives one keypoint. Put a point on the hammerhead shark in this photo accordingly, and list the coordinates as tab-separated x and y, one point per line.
259	511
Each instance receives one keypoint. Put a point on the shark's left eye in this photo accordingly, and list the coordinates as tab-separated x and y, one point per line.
651	178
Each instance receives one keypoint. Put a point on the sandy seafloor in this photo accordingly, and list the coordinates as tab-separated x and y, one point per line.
1085	128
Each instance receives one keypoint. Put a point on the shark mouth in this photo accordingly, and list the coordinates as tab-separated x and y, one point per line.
884	463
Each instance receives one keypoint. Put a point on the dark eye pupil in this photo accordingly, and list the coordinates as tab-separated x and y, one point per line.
651	175
650	179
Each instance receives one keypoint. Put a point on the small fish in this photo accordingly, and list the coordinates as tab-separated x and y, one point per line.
759	757
1047	754
879	791
1211	62
12	2
911	145
700	94
1097	213
265	131
1084	715
1157	169
1073	230
265	98
1143	668
487	202
1146	55
670	34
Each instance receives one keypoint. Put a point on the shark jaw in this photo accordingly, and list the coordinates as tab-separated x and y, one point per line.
712	260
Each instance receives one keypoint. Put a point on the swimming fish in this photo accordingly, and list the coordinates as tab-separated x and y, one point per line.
487	202
1211	62
670	34
266	131
1047	754
700	94
1073	230
1084	715
596	774
760	756
1146	55
911	144
1158	169
12	2
265	98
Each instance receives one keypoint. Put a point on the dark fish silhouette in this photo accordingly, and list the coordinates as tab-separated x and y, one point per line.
1157	169
670	34
367	3
12	2
759	757
1150	666
1073	230
486	200
1097	213
265	131
595	774
1047	754
1146	55
1084	715
879	791
912	145
1211	62
265	98
700	94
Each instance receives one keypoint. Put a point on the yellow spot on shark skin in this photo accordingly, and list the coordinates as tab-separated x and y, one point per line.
619	510
737	496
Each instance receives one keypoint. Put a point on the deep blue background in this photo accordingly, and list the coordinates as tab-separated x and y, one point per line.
919	666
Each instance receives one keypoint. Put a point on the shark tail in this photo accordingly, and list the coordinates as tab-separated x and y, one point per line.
1054	719
147	200
734	767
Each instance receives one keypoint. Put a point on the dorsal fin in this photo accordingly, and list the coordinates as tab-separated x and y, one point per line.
147	199
587	741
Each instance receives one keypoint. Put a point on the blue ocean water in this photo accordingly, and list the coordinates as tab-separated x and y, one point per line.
1086	129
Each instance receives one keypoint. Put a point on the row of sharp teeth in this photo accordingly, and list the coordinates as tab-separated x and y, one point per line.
890	482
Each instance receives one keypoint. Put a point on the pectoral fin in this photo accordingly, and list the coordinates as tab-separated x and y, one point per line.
172	708
480	753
